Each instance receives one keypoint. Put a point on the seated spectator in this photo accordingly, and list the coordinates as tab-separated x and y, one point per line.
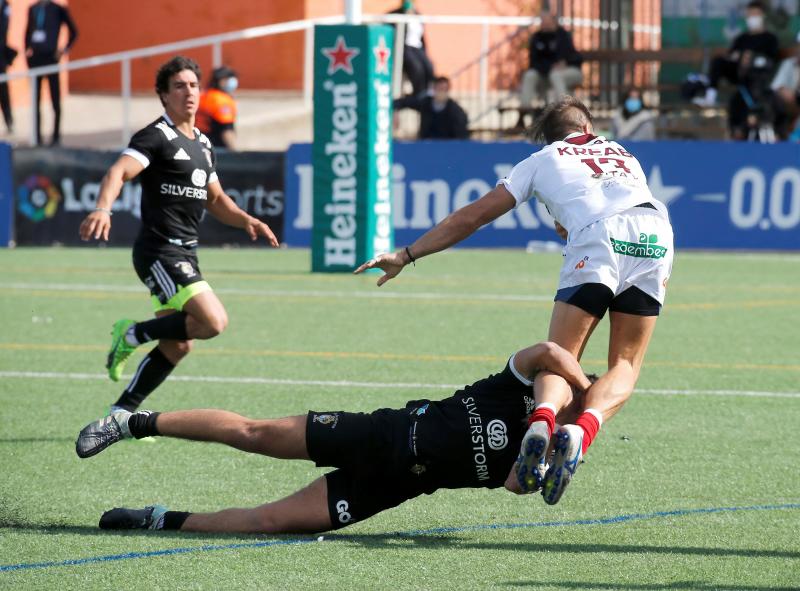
216	115
554	63
417	67
441	118
752	51
786	97
633	120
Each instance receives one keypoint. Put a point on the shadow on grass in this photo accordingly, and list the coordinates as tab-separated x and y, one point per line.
37	440
694	585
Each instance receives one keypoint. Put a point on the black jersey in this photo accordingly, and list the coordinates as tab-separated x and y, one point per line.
472	438
174	182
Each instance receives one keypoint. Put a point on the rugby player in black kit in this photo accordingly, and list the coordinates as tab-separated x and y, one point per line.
469	440
176	166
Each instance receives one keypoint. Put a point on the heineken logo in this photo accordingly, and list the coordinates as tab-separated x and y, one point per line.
340	57
382	54
646	248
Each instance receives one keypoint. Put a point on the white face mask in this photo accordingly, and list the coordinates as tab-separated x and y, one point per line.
754	22
230	85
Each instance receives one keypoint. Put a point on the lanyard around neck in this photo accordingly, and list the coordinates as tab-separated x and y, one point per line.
40	17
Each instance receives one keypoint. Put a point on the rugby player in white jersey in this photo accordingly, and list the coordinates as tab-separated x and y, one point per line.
618	258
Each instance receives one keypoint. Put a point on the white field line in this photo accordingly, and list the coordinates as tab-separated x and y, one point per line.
374	294
376	385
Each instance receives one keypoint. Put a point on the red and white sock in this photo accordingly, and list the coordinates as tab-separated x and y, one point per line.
590	421
546	412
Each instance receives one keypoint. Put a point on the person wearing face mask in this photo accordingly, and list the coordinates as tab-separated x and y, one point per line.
633	120
216	115
755	49
441	118
45	19
7	55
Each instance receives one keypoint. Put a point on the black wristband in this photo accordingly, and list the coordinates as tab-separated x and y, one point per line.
411	258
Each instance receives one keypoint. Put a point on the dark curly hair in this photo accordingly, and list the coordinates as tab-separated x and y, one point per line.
559	119
177	64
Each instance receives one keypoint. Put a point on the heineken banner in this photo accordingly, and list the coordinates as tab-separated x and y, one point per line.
352	149
54	189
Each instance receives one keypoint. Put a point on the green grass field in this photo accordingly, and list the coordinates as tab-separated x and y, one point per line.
694	485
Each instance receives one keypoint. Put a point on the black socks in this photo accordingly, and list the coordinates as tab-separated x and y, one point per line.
143	424
152	370
171	326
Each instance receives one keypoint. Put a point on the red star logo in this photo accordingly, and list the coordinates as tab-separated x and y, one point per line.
340	56
382	54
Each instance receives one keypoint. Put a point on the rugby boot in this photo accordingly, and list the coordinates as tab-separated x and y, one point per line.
120	349
121	518
97	436
531	466
566	457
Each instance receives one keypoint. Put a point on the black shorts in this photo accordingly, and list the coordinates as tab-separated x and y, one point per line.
170	273
596	298
376	468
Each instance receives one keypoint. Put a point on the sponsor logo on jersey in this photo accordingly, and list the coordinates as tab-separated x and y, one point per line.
530	404
647	248
477	438
166	130
326	419
582	263
496	435
417	469
185	268
199	177
181	155
182	191
343	509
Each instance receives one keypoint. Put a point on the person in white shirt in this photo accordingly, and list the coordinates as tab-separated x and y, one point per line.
786	93
618	258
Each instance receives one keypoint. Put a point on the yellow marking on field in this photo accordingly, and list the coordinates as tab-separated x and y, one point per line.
386	356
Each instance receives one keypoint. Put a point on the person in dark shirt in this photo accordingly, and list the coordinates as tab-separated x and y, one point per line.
417	66
554	63
45	19
216	116
177	169
441	118
469	440
7	55
752	52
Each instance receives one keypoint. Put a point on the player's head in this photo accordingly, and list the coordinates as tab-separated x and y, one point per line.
441	89
178	86
560	118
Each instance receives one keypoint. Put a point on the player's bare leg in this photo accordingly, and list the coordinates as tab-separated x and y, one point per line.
279	438
205	316
301	512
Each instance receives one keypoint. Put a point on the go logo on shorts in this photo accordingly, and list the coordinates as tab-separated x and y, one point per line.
342	509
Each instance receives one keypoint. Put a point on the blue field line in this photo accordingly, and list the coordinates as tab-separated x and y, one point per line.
410	533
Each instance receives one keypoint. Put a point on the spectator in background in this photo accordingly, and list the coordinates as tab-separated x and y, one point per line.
633	120
554	63
786	89
45	19
216	115
753	51
417	67
441	118
7	55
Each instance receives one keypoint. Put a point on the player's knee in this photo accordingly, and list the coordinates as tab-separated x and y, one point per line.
175	351
217	323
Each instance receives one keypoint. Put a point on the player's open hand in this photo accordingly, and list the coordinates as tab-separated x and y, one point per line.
256	228
390	263
96	225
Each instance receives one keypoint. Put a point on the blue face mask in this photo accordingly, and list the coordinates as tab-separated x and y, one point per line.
230	85
633	105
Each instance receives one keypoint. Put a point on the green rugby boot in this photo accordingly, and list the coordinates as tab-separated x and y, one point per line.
120	349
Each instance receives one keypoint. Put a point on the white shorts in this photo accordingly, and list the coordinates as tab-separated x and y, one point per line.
630	249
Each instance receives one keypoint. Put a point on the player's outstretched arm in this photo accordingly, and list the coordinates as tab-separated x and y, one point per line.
451	230
98	223
551	357
222	207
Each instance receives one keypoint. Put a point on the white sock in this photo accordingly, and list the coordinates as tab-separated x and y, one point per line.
130	337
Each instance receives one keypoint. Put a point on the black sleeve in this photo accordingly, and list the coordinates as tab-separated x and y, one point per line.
567	51
531	51
147	142
29	28
409	102
460	131
773	48
66	18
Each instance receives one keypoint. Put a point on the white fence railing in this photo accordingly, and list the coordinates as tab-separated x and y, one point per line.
124	58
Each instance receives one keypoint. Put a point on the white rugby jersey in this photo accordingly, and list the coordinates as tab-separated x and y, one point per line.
580	180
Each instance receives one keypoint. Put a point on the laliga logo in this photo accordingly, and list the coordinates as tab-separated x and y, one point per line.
38	198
